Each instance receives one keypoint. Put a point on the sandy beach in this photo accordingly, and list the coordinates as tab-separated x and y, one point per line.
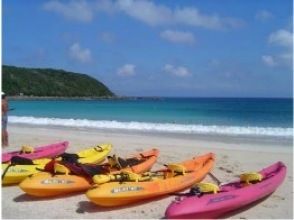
233	156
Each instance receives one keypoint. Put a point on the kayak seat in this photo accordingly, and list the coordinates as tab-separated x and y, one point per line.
119	163
132	176
120	177
251	177
124	176
207	187
101	178
129	162
26	149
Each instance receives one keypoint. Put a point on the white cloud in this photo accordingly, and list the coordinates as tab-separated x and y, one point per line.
192	16
269	60
263	15
80	54
155	14
282	37
178	36
145	11
126	70
177	71
73	10
283	59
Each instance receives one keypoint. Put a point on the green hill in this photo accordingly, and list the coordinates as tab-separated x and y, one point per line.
50	82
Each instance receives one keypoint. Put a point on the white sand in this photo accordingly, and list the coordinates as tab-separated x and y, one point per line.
233	156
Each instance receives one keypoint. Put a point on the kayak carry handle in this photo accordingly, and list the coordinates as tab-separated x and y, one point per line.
250	177
98	148
26	149
175	168
61	169
207	187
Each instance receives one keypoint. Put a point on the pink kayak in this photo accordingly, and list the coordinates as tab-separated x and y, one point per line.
231	196
50	150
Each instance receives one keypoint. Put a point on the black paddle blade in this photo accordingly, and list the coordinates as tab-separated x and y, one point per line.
70	158
16	160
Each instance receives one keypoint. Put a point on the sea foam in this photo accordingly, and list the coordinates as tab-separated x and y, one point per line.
156	127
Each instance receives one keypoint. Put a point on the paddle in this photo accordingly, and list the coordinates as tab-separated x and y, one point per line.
214	178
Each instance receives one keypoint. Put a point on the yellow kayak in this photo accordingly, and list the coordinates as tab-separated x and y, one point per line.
18	172
94	154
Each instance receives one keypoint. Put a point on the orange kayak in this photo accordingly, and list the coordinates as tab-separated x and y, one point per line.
134	188
45	184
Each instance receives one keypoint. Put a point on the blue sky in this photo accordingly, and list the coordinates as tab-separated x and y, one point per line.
229	48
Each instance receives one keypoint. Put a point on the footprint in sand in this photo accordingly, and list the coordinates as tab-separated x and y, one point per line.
270	206
276	197
226	170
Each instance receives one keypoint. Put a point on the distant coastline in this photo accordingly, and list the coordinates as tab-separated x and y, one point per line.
45	98
59	98
116	97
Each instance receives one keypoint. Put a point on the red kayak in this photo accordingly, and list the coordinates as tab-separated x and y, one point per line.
231	196
50	150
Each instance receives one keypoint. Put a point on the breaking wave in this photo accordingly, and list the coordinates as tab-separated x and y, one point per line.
156	127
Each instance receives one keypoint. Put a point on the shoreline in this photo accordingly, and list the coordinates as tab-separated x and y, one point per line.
269	142
226	138
232	158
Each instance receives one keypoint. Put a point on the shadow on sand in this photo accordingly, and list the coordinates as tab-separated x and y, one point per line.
28	198
88	206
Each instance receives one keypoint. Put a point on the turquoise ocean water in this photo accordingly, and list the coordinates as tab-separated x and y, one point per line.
224	116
